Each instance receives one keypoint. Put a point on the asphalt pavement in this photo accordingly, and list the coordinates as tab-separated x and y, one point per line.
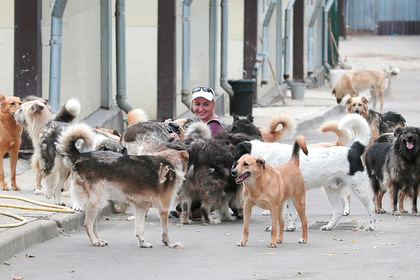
347	252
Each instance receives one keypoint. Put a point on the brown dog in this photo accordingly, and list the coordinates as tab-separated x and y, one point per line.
355	81
269	187
10	138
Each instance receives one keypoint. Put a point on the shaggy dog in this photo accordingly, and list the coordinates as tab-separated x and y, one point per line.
10	138
145	181
379	123
269	187
394	166
272	134
332	168
354	81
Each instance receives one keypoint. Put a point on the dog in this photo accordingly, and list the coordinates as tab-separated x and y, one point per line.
394	167
272	134
354	81
269	187
10	138
343	135
145	181
379	123
332	168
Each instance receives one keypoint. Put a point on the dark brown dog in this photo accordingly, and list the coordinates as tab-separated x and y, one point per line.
10	138
146	181
269	187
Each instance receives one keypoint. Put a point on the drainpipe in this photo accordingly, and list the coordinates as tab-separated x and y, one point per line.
325	52
287	27
311	41
265	31
121	61
55	53
213	44
224	43
279	41
186	51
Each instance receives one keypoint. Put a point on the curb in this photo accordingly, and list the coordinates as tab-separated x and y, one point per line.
19	239
320	118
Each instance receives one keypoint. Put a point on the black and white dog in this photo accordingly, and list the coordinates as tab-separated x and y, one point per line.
332	168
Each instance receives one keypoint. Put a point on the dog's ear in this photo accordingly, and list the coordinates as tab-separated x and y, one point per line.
349	100
235	117
37	107
261	162
365	100
184	154
397	131
2	97
241	149
250	118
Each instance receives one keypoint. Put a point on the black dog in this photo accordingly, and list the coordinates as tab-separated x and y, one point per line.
394	166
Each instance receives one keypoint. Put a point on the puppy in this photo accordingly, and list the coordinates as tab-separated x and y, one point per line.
378	123
10	138
269	187
354	81
145	181
272	134
394	167
331	168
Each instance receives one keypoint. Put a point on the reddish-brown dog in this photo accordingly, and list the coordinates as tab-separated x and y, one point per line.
269	187
10	138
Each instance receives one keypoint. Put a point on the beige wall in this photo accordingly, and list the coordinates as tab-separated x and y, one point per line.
6	46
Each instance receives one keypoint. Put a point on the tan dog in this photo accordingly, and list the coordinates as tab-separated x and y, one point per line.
10	138
272	134
355	81
269	187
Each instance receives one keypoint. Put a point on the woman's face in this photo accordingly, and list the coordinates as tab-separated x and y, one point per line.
203	108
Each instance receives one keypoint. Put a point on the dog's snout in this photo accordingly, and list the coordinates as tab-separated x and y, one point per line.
357	111
233	170
339	100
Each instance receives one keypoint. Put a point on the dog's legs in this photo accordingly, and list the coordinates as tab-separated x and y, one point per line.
2	181
373	95
224	208
292	216
345	202
13	162
164	216
395	187
185	213
415	195
247	217
361	190
205	213
276	231
401	198
333	195
140	213
50	180
299	203
93	210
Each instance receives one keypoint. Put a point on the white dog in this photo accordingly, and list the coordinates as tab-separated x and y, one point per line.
332	168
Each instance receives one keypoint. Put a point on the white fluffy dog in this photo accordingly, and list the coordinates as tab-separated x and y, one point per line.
332	168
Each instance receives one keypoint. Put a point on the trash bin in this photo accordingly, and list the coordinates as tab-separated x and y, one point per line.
243	99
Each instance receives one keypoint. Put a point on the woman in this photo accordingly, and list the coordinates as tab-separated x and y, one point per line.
203	103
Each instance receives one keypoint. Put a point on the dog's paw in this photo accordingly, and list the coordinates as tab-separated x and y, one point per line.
145	245
267	228
38	191
403	211
326	228
271	245
100	243
176	246
396	213
266	213
380	211
290	228
131	218
416	214
215	221
15	188
4	187
302	241
241	243
346	212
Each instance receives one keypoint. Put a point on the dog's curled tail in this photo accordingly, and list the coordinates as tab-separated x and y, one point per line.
358	124
273	134
200	129
137	115
343	135
300	143
69	111
75	137
393	72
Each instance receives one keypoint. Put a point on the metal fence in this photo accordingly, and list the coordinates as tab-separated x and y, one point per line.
386	17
